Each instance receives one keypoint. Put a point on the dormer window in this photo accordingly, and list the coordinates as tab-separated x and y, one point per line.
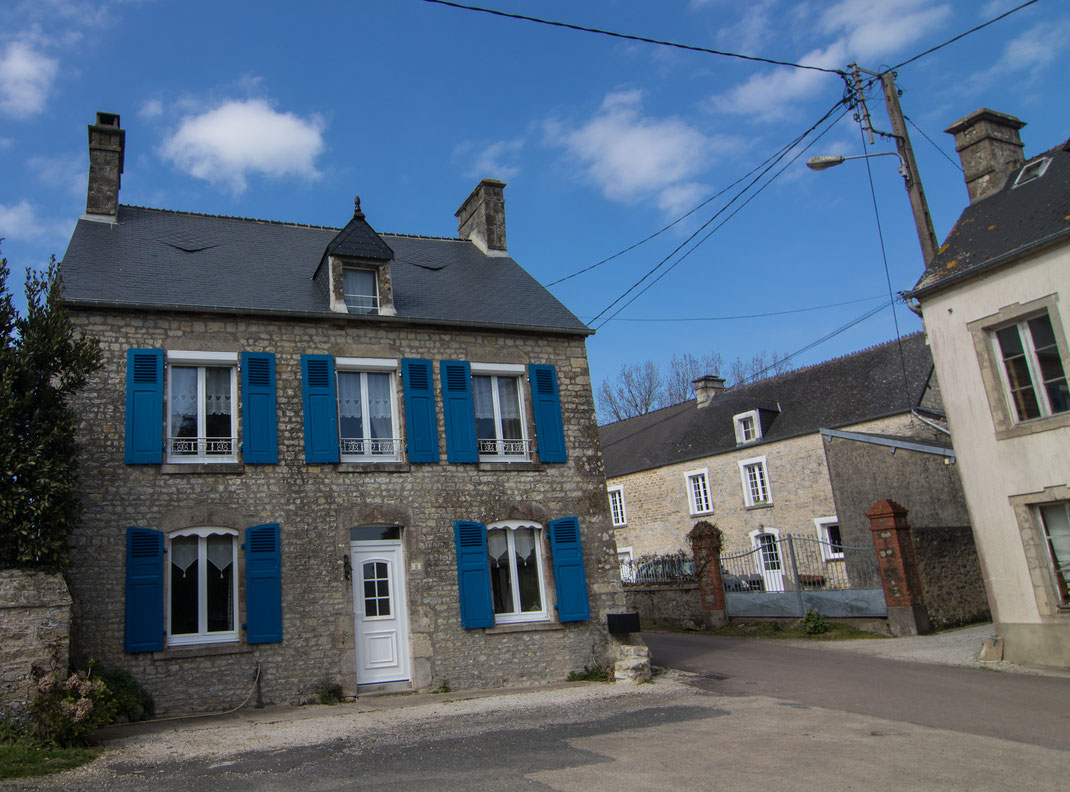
748	427
1032	171
361	290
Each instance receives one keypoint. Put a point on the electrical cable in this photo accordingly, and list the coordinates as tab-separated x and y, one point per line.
887	272
962	35
629	37
752	316
722	223
943	153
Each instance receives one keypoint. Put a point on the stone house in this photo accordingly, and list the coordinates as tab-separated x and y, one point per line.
991	300
319	454
757	461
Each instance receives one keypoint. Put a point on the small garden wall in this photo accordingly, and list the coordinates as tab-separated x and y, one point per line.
676	604
35	620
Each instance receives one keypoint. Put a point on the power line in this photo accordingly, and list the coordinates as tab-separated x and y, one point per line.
722	223
635	38
934	145
962	35
752	316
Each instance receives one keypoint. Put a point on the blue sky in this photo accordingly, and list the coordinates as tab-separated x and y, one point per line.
285	111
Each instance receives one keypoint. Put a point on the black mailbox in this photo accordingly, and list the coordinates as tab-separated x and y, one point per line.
620	623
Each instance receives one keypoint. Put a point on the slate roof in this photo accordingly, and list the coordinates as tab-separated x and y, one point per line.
1005	225
839	392
359	240
155	258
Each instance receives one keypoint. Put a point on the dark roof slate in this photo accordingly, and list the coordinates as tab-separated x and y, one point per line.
155	258
839	392
1005	225
359	240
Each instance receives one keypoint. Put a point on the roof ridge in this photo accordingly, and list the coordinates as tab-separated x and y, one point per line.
232	217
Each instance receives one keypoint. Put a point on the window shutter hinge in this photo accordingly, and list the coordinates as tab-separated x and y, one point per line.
244	627
242	545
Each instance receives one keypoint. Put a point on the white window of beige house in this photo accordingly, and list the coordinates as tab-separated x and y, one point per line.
616	505
748	427
1055	520
1032	368
828	532
755	478
698	491
626	561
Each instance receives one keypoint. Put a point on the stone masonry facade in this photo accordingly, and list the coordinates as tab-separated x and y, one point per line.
35	617
658	511
316	505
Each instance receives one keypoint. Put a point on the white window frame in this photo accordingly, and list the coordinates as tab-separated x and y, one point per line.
354	365
1036	381
496	371
202	361
616	505
202	636
509	527
695	499
1031	172
374	310
626	562
822	524
1059	567
759	464
740	422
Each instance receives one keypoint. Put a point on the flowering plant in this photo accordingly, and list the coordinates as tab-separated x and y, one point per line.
65	711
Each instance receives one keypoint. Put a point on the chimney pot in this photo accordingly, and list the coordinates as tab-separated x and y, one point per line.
990	148
107	144
706	387
481	218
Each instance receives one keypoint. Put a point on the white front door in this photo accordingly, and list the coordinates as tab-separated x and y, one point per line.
769	560
382	630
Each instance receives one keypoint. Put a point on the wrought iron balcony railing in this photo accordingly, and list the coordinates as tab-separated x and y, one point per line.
373	447
191	448
505	449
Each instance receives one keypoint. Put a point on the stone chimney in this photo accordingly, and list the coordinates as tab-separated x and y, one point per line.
990	149
706	387
106	145
481	217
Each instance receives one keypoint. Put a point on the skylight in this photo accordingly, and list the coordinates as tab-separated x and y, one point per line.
1032	171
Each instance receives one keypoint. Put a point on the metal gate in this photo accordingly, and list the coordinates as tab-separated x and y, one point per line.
789	575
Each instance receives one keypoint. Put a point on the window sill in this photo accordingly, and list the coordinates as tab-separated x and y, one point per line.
493	466
202	650
170	468
702	513
372	467
768	505
515	627
1025	428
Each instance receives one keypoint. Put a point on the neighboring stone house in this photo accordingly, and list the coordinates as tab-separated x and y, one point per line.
992	304
318	454
755	460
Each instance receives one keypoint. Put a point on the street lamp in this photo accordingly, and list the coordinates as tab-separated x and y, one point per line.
832	160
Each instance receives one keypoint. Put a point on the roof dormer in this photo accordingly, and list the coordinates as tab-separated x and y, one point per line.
752	425
359	269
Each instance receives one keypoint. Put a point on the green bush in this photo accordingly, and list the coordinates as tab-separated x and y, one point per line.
66	710
328	692
589	674
814	623
130	701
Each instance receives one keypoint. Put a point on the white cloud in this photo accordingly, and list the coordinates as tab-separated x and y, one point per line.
20	222
240	138
677	199
153	108
492	160
628	155
66	172
756	25
1030	52
25	79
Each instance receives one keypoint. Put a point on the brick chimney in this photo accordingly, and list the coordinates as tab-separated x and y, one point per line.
706	387
990	149
481	217
106	145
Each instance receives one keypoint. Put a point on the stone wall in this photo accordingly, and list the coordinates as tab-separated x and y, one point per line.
35	617
668	604
317	504
950	573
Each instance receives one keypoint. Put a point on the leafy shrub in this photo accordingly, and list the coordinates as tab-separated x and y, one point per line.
328	692
814	623
66	710
130	701
589	674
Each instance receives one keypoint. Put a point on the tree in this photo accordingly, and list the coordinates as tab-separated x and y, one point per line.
684	370
42	364
762	366
636	390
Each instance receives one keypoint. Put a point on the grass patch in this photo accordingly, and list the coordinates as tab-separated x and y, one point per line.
589	674
795	629
24	758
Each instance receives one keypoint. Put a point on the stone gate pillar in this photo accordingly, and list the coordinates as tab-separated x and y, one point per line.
898	566
705	542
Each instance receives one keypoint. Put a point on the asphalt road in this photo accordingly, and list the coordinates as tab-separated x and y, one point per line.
754	714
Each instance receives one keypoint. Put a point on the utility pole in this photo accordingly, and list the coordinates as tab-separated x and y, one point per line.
918	205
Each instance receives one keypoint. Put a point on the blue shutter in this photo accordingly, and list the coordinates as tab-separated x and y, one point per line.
144	407
569	577
144	591
260	443
263	584
421	421
549	431
458	410
321	408
473	574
